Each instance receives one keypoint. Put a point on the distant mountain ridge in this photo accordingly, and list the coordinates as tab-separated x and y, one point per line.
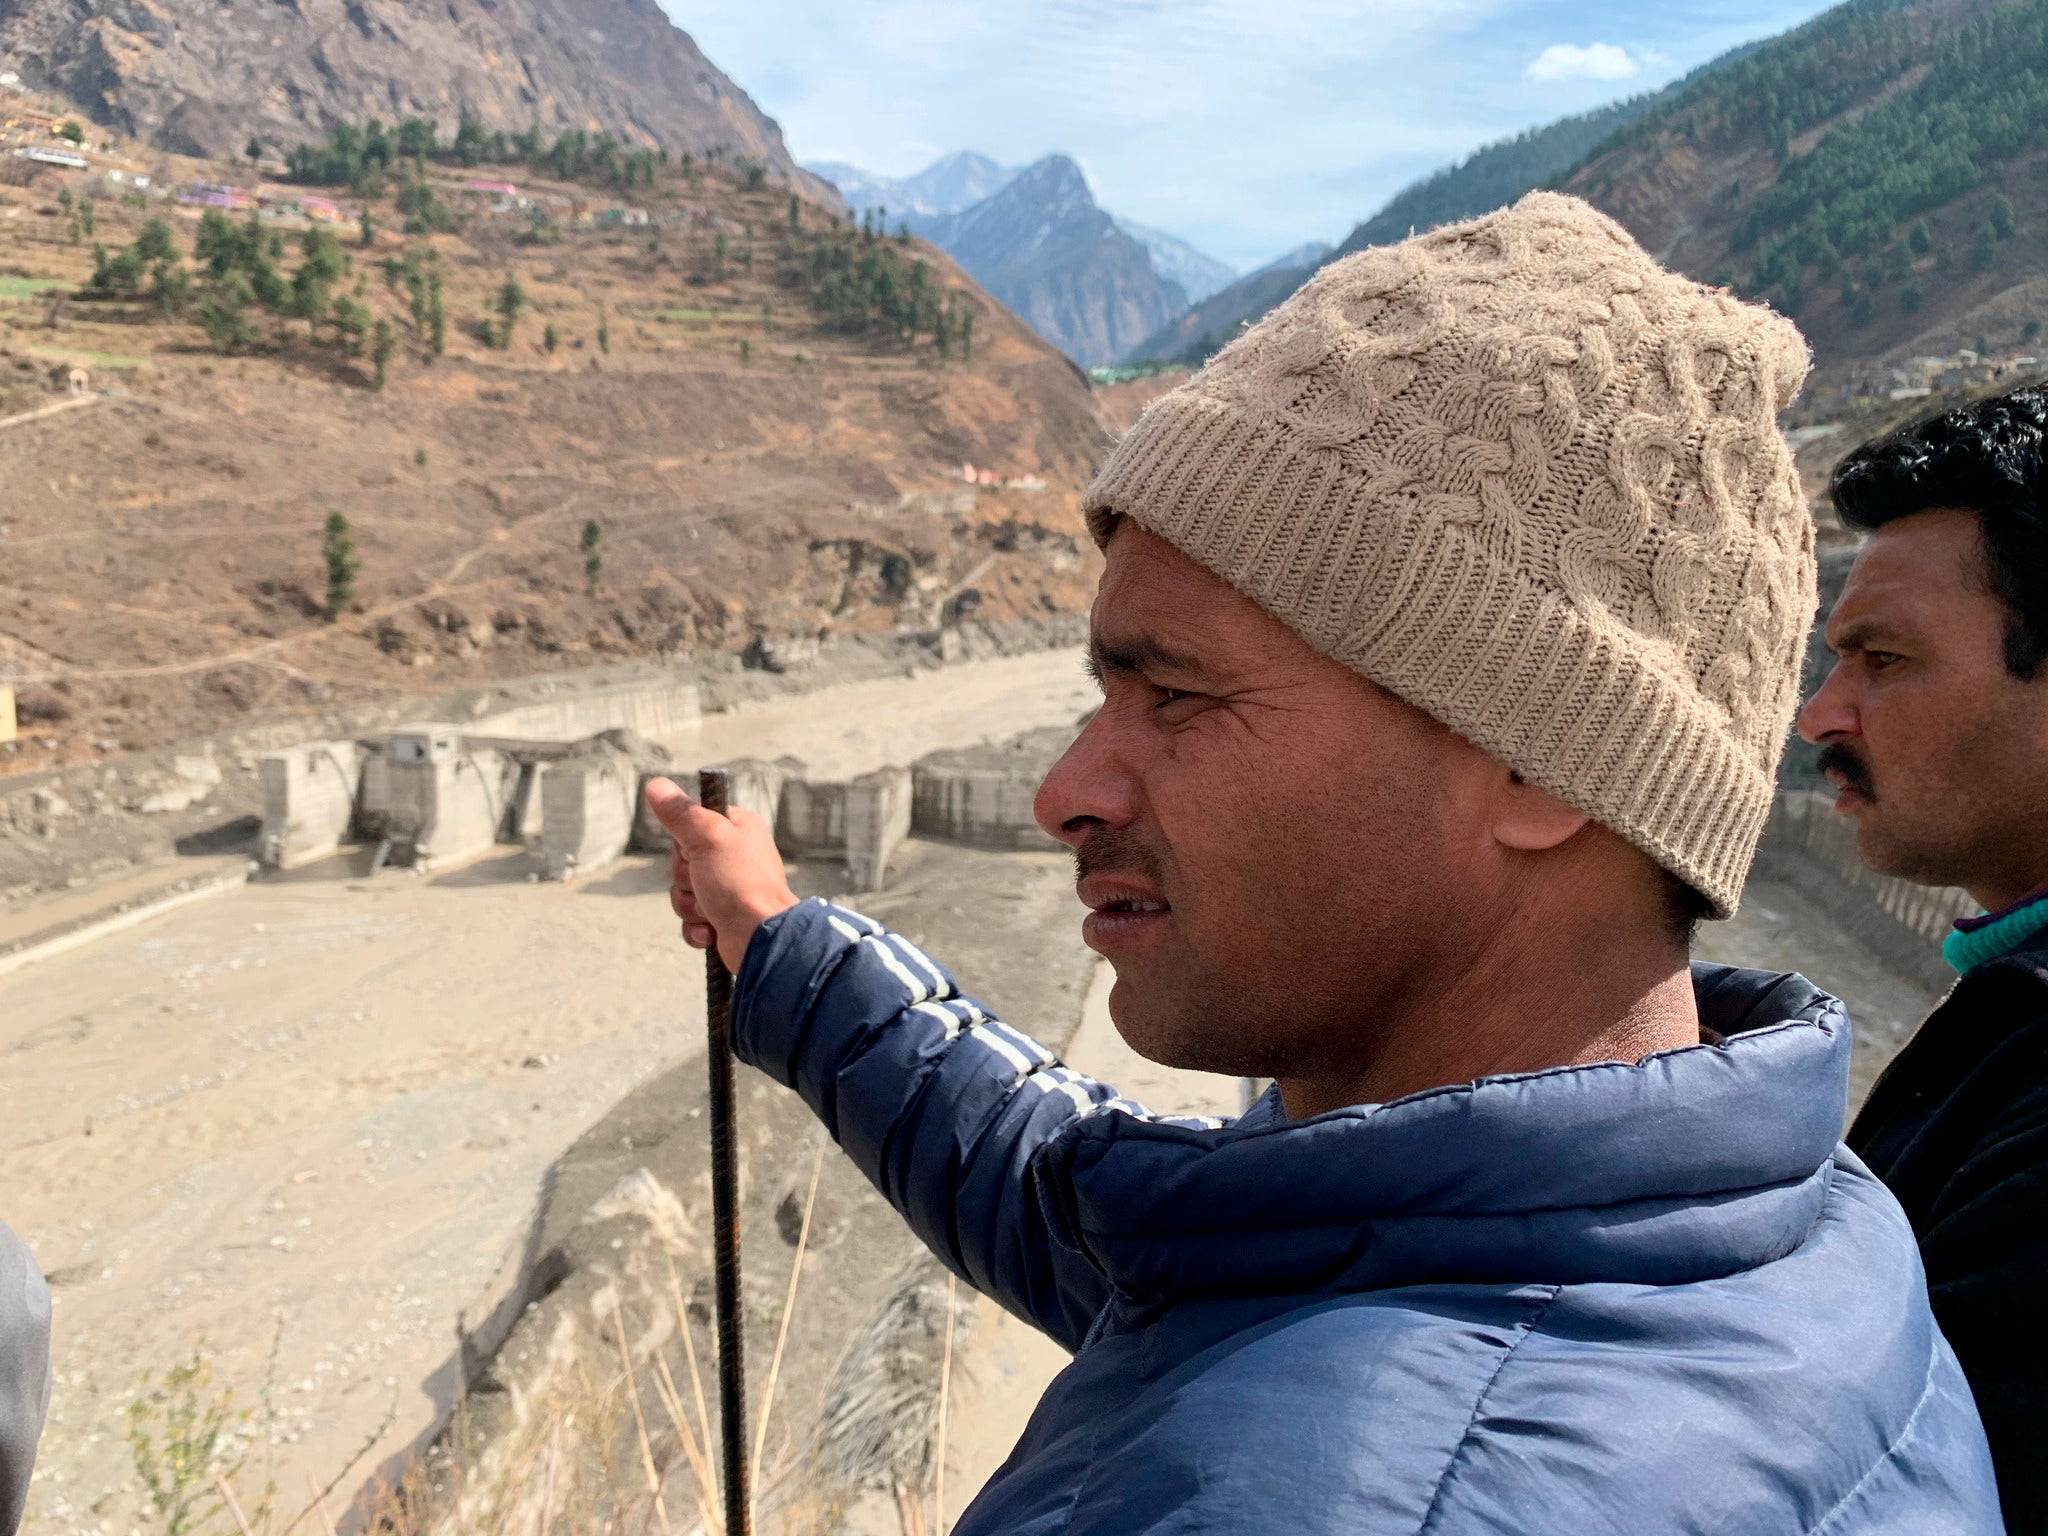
1492	175
938	201
1198	274
1043	247
203	78
947	185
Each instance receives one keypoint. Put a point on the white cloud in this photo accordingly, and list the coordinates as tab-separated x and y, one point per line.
1595	61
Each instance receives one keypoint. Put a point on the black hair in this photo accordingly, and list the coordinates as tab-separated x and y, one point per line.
1990	458
1685	908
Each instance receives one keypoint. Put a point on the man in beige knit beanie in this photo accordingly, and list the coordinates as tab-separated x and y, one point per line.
1448	636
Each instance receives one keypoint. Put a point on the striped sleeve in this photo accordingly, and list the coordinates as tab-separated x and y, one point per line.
937	1101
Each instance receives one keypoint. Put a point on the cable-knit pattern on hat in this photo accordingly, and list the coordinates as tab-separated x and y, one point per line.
1520	475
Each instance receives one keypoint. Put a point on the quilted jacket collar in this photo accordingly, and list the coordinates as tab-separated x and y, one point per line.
1693	1164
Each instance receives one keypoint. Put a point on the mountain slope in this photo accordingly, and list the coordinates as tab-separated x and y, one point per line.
1195	334
1881	174
202	76
1495	174
1198	274
945	186
768	440
1043	247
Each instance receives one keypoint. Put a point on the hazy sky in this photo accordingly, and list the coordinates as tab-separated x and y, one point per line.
1245	126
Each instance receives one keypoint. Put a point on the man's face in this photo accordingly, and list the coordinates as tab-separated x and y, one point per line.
1270	844
1938	752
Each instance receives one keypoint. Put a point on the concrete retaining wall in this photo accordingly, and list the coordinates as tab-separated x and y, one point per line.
986	807
875	820
309	800
655	710
1812	848
587	814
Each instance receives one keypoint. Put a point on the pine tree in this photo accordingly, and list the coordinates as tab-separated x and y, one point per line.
511	304
593	562
383	342
437	317
338	550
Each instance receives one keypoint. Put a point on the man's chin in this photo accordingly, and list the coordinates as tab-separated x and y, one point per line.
1884	853
1165	1027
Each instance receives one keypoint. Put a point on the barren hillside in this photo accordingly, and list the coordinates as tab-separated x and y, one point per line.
702	433
202	76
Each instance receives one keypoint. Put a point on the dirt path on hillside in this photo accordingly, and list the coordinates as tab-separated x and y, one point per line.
319	1109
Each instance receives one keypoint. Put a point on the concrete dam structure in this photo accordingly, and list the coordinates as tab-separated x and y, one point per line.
565	779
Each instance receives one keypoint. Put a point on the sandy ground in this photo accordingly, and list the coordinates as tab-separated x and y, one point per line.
316	1111
1777	929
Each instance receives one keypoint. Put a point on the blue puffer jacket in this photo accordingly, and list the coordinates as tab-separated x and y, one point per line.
1628	1299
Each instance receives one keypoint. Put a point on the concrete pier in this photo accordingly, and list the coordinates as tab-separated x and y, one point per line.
875	819
309	800
435	798
811	820
587	813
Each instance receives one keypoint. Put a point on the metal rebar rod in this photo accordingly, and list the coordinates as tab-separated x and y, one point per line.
725	1211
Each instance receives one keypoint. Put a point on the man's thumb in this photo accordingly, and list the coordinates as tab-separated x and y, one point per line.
672	807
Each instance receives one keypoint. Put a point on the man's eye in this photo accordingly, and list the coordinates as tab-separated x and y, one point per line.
1882	659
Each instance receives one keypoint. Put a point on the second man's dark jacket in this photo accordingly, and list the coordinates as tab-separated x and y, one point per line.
1958	1127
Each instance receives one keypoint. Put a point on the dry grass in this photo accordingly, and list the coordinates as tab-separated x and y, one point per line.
591	1458
878	1427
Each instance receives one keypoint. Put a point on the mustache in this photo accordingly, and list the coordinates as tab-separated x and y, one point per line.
1846	764
1115	851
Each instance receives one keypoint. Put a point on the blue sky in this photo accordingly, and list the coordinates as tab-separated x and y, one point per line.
1244	126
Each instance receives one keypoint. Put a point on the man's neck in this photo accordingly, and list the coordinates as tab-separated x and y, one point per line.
1526	1004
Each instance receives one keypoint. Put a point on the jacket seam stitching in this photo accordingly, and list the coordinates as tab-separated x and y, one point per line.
1087	1472
1443	1481
1891	1451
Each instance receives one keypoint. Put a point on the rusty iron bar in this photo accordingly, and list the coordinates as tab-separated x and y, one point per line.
712	786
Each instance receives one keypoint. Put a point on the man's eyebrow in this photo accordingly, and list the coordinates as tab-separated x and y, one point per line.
1139	653
1859	634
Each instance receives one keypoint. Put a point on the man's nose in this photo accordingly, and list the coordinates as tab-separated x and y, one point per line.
1089	787
1830	712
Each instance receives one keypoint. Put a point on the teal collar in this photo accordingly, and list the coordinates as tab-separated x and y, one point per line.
1978	939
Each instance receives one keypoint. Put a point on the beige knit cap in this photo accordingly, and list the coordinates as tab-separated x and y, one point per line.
1518	474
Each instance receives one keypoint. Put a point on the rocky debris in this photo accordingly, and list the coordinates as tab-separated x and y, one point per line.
190	780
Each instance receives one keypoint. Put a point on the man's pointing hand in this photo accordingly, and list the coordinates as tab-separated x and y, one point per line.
725	875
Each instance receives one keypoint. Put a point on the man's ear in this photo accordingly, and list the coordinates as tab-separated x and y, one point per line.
1530	819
